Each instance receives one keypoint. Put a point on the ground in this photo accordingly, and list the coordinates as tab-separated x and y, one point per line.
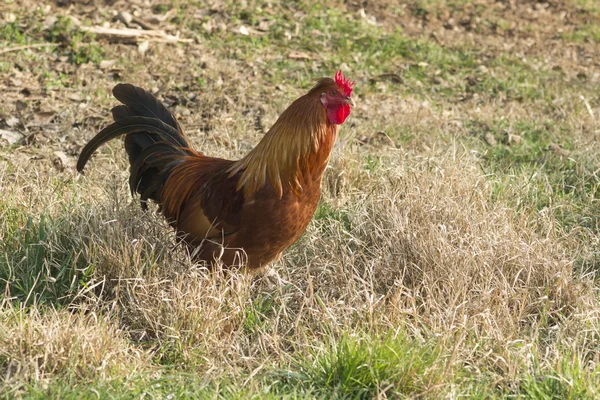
455	250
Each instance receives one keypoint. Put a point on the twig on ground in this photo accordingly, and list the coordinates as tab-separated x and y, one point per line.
28	46
132	36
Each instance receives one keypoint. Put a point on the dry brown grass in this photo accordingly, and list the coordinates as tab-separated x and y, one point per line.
41	344
416	238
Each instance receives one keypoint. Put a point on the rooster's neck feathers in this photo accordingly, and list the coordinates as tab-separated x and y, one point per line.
295	150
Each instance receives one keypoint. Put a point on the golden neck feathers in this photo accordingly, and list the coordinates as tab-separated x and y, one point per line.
295	150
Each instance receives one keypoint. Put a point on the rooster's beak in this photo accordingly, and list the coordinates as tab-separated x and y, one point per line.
350	101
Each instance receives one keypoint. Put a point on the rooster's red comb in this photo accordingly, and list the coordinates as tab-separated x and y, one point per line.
344	83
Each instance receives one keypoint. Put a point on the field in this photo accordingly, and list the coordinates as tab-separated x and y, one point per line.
455	251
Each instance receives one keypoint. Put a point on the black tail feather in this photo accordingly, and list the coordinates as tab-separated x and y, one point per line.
121	112
154	140
141	102
127	126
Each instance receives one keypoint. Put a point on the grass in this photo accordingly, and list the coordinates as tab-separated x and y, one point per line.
78	44
568	381
585	33
351	368
454	252
43	264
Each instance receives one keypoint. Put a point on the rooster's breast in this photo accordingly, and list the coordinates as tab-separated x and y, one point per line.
270	225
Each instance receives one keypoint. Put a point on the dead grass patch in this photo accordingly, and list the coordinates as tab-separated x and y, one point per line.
39	345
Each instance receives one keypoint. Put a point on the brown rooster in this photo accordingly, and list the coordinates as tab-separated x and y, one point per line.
244	212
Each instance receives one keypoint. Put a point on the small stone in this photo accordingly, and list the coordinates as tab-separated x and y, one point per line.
74	97
490	139
12	122
514	139
125	17
143	46
553	147
49	22
106	64
61	160
11	137
20	105
264	26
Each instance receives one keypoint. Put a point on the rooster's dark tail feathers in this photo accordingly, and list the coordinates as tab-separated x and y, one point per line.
154	141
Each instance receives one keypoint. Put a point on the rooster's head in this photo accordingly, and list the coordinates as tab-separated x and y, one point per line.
337	98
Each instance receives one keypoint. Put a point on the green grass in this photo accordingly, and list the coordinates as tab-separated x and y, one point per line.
568	381
11	33
350	368
587	5
78	45
43	262
329	217
259	314
548	177
364	368
176	386
336	38
588	32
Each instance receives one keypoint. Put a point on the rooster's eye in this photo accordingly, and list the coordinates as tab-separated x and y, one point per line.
333	93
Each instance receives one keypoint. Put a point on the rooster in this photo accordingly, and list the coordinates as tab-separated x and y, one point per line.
244	212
